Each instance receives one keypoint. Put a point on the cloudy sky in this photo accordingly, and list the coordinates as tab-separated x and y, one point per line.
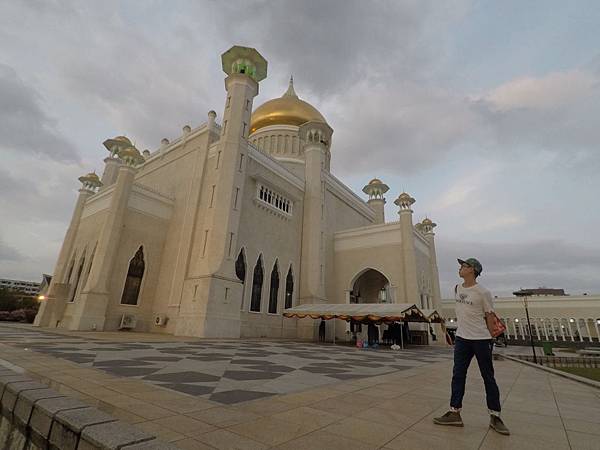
486	112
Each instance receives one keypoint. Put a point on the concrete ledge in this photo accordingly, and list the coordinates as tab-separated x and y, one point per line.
111	436
26	402
68	425
560	373
43	416
35	417
12	391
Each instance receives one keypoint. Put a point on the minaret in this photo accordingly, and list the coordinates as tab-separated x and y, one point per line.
427	227
59	288
93	301
244	67
411	291
112	162
375	190
214	270
315	136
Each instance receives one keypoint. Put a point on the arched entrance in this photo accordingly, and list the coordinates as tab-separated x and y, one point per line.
370	286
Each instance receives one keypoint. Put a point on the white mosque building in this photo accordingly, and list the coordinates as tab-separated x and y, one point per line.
217	232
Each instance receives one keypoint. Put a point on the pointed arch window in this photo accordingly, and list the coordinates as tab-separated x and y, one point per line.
131	291
77	278
274	289
70	272
240	272
257	282
289	289
240	266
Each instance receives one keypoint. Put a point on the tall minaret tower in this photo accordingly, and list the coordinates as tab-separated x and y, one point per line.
217	283
315	137
427	226
411	290
375	190
57	292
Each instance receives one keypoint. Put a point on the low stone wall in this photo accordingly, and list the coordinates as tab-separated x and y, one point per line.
34	417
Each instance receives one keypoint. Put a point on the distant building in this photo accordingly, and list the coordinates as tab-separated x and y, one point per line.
539	291
29	288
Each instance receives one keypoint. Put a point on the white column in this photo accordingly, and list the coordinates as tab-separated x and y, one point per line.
579	330
562	330
597	329
587	327
570	330
507	322
537	330
545	328
553	329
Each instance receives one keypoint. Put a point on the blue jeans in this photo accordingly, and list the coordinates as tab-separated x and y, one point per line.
464	350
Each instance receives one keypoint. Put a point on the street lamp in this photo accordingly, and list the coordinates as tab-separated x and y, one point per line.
524	295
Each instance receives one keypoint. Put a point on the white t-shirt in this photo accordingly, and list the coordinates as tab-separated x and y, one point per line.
471	305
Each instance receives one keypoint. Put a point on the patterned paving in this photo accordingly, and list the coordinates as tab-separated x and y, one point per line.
225	371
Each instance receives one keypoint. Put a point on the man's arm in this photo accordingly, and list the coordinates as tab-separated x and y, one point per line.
488	309
489	321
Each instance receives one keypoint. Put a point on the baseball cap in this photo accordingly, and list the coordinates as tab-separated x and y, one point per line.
472	262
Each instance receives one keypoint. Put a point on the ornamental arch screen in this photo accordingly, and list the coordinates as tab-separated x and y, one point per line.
289	288
274	290
257	282
135	274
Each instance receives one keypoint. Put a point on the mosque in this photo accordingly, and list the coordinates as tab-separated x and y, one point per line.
217	232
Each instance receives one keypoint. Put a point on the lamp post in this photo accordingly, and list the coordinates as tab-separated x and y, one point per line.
524	295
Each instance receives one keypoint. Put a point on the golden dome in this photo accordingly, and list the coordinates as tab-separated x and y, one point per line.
427	221
285	110
375	181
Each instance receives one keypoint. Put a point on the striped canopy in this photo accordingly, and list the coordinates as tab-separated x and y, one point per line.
377	312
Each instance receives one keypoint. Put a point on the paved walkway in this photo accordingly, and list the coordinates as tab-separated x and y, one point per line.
390	410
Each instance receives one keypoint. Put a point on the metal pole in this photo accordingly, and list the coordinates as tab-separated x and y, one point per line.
530	330
402	335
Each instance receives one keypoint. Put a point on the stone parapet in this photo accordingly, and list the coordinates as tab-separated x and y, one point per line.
34	417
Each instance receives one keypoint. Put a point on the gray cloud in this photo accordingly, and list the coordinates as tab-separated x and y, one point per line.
510	266
24	126
8	253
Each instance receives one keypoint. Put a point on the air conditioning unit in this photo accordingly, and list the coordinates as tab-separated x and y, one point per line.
128	322
160	320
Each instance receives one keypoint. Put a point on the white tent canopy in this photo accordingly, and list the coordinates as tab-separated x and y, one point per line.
385	312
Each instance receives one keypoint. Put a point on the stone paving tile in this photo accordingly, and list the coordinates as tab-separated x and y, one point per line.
180	364
321	440
226	440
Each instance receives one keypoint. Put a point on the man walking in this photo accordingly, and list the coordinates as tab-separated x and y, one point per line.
474	313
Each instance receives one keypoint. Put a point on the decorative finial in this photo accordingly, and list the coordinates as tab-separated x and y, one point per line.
290	90
376	189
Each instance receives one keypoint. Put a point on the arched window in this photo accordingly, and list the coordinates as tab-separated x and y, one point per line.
240	272
89	269
77	278
70	272
240	266
131	291
289	288
274	290
257	282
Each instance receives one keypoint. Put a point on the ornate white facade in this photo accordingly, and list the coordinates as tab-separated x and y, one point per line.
217	232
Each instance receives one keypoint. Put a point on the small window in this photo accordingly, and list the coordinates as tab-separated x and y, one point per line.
133	282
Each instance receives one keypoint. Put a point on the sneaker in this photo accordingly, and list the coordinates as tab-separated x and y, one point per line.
497	425
451	418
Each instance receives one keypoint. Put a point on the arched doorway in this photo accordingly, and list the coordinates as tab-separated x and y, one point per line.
370	286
